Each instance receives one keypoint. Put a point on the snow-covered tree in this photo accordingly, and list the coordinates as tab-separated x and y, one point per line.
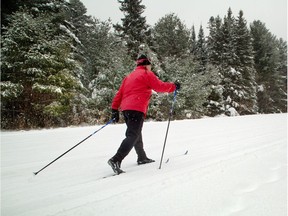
8	7
201	51
228	37
271	72
105	85
37	82
245	65
230	49
171	37
133	30
193	41
60	66
281	101
81	29
214	42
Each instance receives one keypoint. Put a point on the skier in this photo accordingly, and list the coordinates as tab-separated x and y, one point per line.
132	99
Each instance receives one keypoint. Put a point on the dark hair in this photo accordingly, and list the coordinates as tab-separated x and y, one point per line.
143	60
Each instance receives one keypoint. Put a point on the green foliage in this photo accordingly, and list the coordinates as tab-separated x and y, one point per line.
230	49
201	51
270	58
134	30
171	37
9	90
37	61
61	67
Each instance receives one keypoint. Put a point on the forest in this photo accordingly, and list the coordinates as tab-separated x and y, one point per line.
62	67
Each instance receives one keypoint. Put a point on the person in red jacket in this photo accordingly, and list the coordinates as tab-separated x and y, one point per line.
132	99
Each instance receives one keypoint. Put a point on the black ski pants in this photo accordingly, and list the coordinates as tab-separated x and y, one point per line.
134	121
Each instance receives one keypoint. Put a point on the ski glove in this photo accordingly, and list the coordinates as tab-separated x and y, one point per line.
177	84
115	115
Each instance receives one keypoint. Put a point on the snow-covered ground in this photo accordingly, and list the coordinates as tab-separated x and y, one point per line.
234	166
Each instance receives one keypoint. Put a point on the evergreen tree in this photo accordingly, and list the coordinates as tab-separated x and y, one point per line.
245	65
37	82
76	24
281	101
193	94
104	60
134	30
228	56
272	91
8	7
105	85
201	51
238	67
171	36
244	48
214	42
230	49
193	41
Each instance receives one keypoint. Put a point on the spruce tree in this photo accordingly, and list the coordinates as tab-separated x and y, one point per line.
281	101
245	65
171	36
133	30
201	51
193	41
37	82
214	45
228	56
230	49
270	69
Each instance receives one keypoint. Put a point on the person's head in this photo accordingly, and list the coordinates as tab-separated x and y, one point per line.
143	60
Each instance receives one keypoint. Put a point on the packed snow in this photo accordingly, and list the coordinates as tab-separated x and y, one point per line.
234	166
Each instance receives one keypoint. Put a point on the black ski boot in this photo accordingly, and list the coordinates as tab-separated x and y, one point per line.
145	161
115	165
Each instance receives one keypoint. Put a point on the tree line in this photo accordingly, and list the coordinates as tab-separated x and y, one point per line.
61	67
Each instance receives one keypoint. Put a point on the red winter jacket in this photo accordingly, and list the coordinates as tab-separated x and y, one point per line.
136	89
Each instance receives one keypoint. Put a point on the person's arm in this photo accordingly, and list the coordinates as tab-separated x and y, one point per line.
158	85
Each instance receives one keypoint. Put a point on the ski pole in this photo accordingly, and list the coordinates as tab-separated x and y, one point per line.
170	116
35	173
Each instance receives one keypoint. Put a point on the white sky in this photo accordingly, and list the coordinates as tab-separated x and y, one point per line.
195	12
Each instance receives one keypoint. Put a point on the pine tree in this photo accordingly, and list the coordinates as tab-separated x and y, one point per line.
245	65
37	82
134	30
193	41
228	56
201	51
272	91
238	66
104	86
8	7
230	49
281	101
214	42
171	36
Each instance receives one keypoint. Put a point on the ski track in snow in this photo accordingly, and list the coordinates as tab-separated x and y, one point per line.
234	166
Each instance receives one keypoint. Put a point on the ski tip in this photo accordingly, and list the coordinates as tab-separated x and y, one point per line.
35	173
186	152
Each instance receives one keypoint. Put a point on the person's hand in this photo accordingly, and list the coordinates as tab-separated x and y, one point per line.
115	116
177	84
